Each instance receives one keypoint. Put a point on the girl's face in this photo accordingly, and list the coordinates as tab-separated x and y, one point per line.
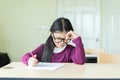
59	39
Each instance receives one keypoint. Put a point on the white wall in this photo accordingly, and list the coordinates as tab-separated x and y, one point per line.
22	25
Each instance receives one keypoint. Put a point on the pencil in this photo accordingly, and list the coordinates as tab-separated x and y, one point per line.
31	54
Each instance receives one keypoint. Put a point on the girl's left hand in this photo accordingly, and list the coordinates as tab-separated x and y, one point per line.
71	35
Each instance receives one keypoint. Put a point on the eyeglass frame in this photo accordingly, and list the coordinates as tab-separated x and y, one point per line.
61	39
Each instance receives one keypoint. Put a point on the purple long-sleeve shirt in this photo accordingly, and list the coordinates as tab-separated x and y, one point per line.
69	54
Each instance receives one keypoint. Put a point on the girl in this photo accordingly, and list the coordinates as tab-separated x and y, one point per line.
56	48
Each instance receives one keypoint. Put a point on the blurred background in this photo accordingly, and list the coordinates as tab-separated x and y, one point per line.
25	24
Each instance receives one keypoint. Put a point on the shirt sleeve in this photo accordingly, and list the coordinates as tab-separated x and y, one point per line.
37	51
78	54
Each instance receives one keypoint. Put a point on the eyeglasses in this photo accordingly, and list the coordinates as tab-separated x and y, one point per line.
58	40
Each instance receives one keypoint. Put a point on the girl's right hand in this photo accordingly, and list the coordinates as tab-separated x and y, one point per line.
71	35
32	61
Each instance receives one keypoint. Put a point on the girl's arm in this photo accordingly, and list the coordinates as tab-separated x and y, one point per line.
78	54
37	52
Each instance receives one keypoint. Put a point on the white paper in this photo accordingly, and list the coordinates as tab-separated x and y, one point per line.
47	66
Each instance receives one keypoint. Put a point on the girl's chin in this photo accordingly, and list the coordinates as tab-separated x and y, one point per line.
60	46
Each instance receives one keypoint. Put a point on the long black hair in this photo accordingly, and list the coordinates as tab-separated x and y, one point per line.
61	24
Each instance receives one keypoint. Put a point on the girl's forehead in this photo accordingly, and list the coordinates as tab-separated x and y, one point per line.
60	33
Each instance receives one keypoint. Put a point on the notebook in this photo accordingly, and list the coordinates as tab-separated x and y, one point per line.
46	66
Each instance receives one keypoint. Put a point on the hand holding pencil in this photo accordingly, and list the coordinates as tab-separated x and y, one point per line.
32	60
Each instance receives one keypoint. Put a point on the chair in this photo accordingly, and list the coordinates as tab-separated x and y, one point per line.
94	51
4	59
91	55
109	58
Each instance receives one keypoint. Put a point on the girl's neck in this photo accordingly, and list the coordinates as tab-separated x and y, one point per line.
59	49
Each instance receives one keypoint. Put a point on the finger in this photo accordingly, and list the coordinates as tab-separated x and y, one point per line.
35	62
35	56
68	35
32	64
34	59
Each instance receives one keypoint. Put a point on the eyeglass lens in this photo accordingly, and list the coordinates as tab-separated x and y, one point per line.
58	40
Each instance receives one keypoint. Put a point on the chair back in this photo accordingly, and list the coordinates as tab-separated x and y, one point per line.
108	58
94	51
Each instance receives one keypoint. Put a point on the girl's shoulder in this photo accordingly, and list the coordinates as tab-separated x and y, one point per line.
41	46
70	46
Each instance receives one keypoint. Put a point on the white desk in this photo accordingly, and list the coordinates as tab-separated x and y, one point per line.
70	70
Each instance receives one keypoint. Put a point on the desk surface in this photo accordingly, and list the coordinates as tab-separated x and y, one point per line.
70	70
